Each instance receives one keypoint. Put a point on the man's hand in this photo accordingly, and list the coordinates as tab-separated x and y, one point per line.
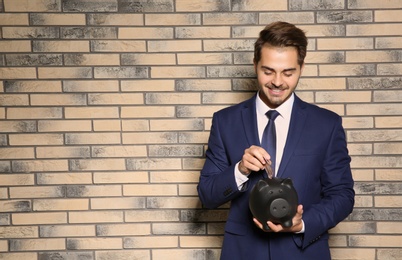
254	159
296	227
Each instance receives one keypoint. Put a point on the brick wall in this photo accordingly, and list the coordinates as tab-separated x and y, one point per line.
106	107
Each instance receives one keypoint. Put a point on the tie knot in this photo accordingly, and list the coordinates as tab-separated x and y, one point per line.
272	114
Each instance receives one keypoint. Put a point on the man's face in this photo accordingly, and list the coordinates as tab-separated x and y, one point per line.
278	74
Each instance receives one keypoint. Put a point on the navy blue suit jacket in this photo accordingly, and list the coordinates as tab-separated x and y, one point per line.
316	159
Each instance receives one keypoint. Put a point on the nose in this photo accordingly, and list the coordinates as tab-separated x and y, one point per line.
277	81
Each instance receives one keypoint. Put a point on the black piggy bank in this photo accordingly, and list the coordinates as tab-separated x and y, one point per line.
274	200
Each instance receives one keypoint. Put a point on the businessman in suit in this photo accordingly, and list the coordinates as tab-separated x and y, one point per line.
310	149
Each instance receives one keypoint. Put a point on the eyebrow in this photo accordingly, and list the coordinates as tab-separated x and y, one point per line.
271	69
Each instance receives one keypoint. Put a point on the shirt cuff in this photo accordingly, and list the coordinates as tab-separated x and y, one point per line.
303	228
240	178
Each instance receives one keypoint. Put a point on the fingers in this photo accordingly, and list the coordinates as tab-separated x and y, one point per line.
254	159
296	227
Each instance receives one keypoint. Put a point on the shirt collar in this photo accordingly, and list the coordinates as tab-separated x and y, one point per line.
284	110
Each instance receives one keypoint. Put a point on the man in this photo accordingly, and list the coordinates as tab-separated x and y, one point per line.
310	149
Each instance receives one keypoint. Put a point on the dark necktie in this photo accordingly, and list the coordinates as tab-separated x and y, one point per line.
268	141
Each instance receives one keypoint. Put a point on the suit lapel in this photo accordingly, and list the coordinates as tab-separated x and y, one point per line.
249	119
297	122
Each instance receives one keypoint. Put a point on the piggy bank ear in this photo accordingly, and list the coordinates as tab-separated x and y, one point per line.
288	182
261	184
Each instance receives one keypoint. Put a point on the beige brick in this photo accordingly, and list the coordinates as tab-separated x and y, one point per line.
178	125
290	17
147	111
13	100
91	86
150	190
117	203
337	241
148	59
388	174
93	138
115	19
364	201
145	33
121	177
202	5
381	96
119	151
319	30
376	162
58	19
116	99
62	152
66	73
107	125
39	218
97	164
201	241
37	244
193	163
15	206
91	112
19	232
123	230
35	86
204	58
125	254
357	122
387	201
174	177
354	227
173	19
389	253
36	139
64	125
13	256
58	99
371	56
118	46
373	29
91	59
64	178
96	217
94	243
229	18
15	46
173	254
40	165
14	19
389	227
3	195
194	112
363	175
225	98
360	149
387	148
388	42
375	135
148	85
174	46
60	204
37	192
174	202
344	44
389	69
368	4
94	191
67	231
203	84
61	46
347	70
344	97
17	73
152	215
255	5
17	153
177	72
25	32
151	242
134	125
203	32
228	45
375	241
31	6
373	109
188	190
353	253
154	164
173	98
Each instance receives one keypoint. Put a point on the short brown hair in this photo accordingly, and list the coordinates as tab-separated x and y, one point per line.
281	34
